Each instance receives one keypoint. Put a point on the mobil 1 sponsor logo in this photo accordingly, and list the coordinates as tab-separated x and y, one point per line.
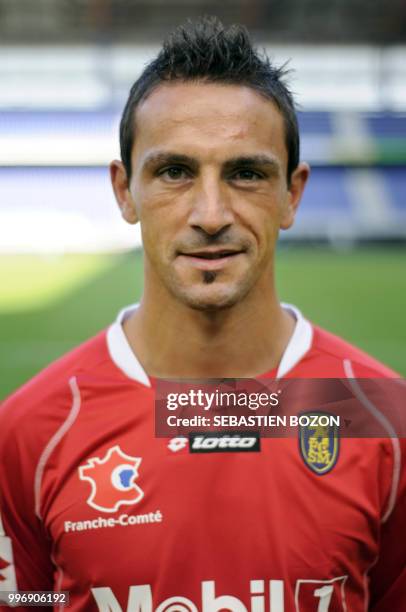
260	596
224	442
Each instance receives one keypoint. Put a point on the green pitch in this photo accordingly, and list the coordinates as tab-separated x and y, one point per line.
48	305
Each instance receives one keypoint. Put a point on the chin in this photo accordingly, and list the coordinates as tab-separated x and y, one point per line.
211	299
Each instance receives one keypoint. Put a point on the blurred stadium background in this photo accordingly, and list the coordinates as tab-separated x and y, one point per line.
68	262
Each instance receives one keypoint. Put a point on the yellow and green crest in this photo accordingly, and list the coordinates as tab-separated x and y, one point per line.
319	444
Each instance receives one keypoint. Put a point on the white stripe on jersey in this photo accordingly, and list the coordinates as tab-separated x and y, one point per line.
54	441
386	424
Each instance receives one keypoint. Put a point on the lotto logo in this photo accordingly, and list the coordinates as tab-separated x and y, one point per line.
224	443
112	480
177	444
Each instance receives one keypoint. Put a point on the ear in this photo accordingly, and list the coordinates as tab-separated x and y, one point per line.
295	190
121	190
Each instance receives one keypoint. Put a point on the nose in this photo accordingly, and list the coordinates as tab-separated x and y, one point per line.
211	210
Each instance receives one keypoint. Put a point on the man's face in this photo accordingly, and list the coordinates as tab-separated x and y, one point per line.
209	187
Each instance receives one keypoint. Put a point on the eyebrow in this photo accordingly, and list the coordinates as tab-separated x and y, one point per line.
164	157
245	161
248	161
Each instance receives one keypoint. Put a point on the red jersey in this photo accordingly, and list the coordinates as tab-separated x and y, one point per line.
94	504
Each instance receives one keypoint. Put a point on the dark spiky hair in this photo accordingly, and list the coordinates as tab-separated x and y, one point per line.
206	50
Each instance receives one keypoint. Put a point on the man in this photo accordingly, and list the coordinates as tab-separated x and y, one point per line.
92	503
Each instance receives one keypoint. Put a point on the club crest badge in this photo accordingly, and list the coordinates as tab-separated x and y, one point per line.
112	480
319	444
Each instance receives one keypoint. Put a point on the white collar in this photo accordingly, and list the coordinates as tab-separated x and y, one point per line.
123	356
120	350
299	344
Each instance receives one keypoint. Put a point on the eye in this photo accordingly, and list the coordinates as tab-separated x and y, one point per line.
247	176
173	173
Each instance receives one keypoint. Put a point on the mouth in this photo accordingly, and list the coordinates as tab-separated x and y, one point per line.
219	254
211	259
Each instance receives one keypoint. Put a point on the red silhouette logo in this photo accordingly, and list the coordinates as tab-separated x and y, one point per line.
112	480
3	565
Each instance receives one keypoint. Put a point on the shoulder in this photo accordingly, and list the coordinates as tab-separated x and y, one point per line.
377	390
334	357
44	401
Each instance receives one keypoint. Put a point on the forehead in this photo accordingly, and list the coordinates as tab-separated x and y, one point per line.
210	118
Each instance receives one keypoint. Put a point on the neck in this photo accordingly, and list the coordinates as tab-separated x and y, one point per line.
172	340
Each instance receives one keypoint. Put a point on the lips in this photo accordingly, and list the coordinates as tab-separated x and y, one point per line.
220	254
210	259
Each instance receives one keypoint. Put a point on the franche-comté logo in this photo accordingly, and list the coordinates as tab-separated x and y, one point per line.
112	480
112	483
